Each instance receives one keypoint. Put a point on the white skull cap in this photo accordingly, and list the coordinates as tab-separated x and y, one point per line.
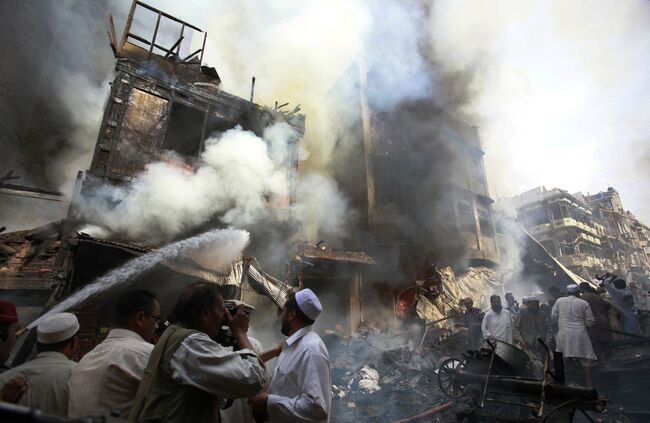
572	288
308	303
57	328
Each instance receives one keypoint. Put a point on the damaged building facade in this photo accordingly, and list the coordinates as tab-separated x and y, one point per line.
415	176
589	234
161	100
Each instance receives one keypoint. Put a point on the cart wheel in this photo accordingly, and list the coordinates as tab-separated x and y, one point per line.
447	378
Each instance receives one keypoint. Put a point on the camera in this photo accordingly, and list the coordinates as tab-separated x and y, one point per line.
231	307
225	337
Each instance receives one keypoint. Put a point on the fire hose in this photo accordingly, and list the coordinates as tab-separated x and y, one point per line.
436	409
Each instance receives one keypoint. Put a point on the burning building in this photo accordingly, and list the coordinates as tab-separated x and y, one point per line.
163	105
414	175
162	102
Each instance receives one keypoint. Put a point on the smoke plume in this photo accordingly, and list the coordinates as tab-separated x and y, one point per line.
239	175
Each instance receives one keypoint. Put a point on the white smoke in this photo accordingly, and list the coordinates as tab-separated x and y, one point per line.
239	178
321	209
234	178
83	101
299	51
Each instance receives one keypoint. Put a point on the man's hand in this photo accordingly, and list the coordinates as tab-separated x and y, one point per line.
14	390
272	353
239	326
239	322
258	402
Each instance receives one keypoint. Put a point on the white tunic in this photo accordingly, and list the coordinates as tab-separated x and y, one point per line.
47	376
301	388
498	326
107	377
572	316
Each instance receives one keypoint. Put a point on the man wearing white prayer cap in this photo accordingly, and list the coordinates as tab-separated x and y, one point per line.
572	316
48	373
301	389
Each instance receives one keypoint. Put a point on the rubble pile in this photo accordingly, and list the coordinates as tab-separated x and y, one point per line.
390	385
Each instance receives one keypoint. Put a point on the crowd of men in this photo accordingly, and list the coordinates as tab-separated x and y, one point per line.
580	324
187	376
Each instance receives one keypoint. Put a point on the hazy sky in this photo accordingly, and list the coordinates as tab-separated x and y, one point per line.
562	91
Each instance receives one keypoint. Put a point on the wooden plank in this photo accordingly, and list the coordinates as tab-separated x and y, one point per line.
127	27
27	283
19	191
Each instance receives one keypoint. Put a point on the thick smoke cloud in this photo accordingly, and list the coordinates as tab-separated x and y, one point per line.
54	79
54	82
238	176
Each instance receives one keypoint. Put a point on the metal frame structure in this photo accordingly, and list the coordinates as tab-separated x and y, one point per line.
173	51
455	376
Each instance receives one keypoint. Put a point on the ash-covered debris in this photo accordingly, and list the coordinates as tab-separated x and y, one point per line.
390	385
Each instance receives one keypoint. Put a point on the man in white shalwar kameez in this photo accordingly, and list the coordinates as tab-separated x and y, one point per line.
572	316
497	323
301	388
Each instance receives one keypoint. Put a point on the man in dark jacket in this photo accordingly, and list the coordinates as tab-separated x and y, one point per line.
600	333
473	318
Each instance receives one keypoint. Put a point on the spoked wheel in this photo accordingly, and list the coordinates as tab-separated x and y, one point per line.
447	378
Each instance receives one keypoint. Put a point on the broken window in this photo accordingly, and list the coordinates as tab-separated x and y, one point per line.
217	125
477	183
564	210
140	132
550	247
554	209
566	249
484	223
536	216
185	130
466	217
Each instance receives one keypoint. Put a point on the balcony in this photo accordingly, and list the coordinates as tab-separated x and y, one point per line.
580	260
570	222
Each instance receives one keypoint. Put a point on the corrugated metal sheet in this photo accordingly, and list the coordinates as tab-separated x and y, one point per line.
312	251
274	288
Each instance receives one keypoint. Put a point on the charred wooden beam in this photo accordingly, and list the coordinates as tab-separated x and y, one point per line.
176	44
21	191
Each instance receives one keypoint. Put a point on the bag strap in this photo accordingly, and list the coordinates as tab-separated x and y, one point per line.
149	373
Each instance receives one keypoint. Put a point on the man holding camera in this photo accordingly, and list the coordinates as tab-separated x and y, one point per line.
188	372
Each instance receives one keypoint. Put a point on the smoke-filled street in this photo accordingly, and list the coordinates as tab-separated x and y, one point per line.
324	211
